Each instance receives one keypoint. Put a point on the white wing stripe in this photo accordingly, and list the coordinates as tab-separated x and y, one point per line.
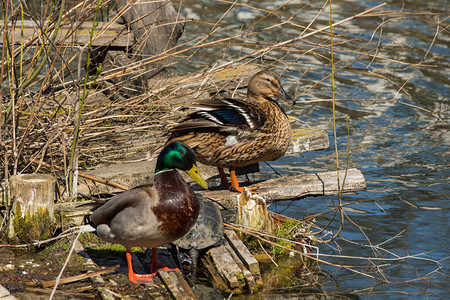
243	113
210	117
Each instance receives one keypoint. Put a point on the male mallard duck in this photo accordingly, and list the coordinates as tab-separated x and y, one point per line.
151	216
232	133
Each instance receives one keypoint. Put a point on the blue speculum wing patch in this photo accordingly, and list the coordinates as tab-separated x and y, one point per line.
228	116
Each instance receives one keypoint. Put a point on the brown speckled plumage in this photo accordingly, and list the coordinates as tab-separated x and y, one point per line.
231	133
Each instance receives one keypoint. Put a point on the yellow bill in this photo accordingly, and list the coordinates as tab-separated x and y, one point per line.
195	174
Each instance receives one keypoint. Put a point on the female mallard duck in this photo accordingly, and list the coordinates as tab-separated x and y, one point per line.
151	216
232	133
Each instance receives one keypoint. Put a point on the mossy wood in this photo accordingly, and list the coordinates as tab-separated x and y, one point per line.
232	267
32	197
244	254
227	268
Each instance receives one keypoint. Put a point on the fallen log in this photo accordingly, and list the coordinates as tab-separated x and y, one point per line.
293	187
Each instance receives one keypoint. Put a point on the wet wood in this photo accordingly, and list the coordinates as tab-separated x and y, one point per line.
250	280
174	282
227	268
217	279
244	254
105	34
294	187
232	267
177	285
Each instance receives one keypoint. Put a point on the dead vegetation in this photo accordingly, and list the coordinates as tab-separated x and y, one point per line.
56	117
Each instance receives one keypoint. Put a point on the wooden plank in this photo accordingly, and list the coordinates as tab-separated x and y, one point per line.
174	284
230	78
217	279
293	187
242	251
137	173
105	34
173	280
227	267
185	286
249	278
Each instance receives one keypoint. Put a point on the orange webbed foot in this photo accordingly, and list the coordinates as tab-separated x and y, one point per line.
136	278
235	184
155	268
140	278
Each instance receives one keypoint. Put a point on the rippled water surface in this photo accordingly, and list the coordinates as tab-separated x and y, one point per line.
393	86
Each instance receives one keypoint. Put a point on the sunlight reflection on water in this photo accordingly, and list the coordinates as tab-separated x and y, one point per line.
402	150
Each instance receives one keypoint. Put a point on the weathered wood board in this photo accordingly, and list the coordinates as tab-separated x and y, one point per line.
292	187
105	34
232	267
177	286
242	251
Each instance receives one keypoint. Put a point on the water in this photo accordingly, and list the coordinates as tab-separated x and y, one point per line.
396	101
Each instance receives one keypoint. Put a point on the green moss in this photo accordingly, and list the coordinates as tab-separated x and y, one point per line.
286	232
251	242
240	276
33	226
116	248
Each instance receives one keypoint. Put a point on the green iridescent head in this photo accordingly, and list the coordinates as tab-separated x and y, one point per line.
178	155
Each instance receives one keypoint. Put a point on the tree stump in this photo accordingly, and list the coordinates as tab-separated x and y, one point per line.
31	217
156	26
252	211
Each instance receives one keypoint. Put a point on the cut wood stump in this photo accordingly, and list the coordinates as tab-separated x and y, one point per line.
33	197
252	211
